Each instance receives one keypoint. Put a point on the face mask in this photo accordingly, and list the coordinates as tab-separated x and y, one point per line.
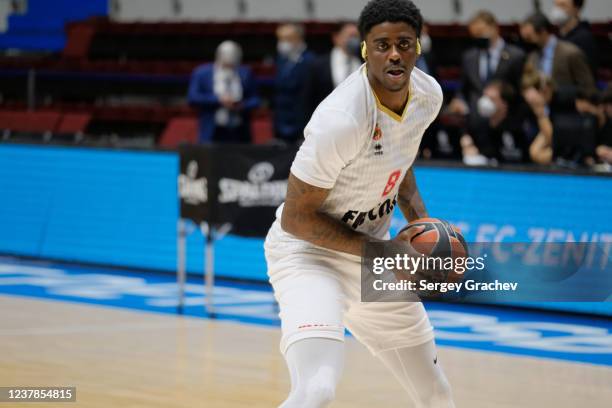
425	44
353	46
483	43
486	107
284	48
558	16
230	59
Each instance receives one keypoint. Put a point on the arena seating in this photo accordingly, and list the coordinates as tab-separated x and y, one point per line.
49	123
137	73
73	123
180	130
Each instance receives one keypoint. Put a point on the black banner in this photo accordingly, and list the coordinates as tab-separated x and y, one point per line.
193	183
245	185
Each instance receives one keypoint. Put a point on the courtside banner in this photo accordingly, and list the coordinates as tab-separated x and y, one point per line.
193	183
490	273
249	183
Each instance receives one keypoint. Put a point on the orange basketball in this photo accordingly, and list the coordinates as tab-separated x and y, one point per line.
439	239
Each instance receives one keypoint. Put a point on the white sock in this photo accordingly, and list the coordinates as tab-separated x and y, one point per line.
315	366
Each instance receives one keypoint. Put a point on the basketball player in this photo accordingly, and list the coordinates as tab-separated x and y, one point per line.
353	168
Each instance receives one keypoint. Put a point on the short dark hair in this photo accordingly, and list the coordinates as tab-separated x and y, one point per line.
485	16
393	11
539	22
578	4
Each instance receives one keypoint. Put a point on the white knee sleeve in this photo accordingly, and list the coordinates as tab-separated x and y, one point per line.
419	372
315	366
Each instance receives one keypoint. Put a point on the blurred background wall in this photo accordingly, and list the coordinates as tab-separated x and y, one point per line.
39	24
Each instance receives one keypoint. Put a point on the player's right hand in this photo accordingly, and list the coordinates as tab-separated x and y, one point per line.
402	245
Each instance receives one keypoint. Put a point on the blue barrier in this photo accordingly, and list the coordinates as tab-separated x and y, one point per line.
120	208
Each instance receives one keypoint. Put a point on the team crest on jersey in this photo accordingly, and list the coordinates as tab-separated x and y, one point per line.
378	148
377	133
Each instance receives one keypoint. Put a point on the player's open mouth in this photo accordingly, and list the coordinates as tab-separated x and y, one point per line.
396	73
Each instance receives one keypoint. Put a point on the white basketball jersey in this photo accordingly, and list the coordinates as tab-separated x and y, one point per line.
361	151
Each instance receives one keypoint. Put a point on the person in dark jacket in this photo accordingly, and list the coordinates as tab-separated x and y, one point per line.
329	70
565	14
427	59
292	66
224	93
491	59
560	60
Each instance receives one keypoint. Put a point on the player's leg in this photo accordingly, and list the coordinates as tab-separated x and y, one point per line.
401	335
312	304
420	374
315	366
313	336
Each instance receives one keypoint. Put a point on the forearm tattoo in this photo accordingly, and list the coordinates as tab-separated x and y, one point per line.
302	218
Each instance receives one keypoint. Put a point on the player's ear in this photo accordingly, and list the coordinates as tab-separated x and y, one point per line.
418	47
364	50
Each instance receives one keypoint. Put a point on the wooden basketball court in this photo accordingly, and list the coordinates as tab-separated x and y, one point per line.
121	358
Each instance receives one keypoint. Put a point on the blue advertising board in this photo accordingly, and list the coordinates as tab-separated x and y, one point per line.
120	208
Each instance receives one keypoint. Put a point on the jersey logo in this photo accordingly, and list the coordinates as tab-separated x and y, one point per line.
355	218
377	133
378	148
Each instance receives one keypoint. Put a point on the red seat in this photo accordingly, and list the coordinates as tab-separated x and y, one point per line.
6	119
262	128
33	121
73	123
180	130
78	40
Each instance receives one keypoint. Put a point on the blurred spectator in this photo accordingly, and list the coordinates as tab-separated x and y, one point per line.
224	94
560	60
292	67
426	61
604	148
490	59
567	138
329	70
503	126
435	142
600	109
565	14
538	93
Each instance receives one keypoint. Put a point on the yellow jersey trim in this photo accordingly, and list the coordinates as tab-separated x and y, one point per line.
383	108
388	111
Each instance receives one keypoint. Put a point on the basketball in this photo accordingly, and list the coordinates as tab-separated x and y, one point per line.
439	239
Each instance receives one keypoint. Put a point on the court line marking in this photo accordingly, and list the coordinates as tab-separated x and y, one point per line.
98	328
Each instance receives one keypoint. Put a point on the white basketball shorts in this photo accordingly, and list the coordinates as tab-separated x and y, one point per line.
319	294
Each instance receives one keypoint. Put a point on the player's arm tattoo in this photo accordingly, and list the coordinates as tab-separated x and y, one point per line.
409	198
302	218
